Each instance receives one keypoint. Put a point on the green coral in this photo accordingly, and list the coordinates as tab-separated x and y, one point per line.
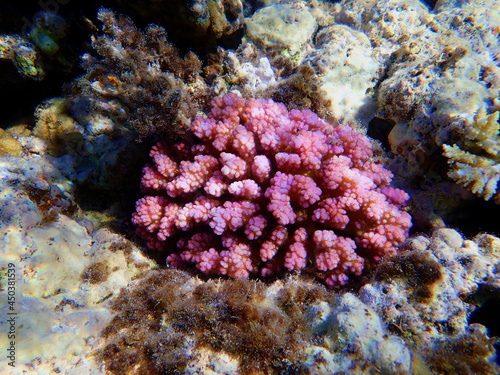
476	163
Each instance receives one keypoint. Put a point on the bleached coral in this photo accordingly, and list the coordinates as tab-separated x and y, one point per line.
348	71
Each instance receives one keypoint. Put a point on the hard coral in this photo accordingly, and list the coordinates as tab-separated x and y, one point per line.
475	161
140	77
264	189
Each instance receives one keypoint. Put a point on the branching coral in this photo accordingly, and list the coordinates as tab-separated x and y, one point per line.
476	164
264	189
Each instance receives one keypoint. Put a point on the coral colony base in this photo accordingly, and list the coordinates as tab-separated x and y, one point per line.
261	189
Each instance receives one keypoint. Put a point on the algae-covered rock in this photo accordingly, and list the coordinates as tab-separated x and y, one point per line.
23	55
356	337
282	26
424	295
54	125
64	277
348	71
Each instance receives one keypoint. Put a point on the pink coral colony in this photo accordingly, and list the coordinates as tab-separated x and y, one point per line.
262	189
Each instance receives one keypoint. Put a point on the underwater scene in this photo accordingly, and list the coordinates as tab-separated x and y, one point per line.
254	187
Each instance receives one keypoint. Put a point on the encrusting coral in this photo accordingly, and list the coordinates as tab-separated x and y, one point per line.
264	189
61	132
476	163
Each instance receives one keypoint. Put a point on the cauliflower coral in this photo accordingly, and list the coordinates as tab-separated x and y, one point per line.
260	190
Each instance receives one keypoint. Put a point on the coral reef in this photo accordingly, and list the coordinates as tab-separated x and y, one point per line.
423	74
264	185
171	322
142	78
65	271
436	80
179	325
249	188
23	55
